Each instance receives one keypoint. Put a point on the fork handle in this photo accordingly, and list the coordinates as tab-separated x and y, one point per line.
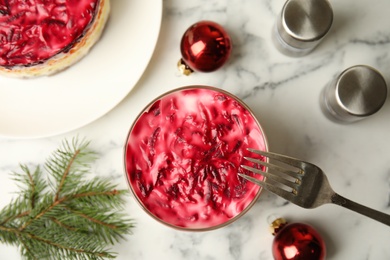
366	211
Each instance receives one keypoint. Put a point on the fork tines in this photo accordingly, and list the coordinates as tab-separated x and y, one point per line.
281	180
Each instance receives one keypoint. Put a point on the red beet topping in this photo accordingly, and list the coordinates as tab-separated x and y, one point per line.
183	155
35	30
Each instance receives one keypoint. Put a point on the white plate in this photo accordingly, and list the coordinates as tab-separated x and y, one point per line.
46	106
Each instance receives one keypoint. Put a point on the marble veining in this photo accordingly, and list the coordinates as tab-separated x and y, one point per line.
283	93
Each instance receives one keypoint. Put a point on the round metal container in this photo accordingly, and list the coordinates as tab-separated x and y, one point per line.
356	93
301	26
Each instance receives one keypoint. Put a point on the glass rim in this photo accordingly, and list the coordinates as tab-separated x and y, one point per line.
139	200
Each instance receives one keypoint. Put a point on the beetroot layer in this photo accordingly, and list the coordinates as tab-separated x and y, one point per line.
183	155
34	31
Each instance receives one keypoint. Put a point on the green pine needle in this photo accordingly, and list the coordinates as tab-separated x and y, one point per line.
65	216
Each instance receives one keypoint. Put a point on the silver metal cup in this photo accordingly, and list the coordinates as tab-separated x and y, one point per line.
356	93
301	26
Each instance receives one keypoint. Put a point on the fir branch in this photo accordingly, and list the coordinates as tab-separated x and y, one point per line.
66	216
65	174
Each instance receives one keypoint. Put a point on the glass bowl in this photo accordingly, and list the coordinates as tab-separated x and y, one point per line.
183	153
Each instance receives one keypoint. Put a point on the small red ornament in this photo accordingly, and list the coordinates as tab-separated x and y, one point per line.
296	241
205	46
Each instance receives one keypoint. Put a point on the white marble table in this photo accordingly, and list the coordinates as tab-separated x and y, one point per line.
284	94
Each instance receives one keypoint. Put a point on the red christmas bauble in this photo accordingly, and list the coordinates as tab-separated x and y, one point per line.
298	241
205	46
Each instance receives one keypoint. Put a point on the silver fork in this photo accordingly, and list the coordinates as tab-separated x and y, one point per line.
303	184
